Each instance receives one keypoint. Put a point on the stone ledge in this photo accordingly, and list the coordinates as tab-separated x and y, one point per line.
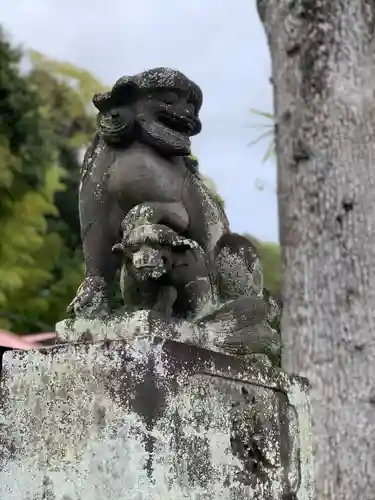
211	333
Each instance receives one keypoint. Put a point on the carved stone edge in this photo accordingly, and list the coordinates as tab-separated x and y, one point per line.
146	324
299	399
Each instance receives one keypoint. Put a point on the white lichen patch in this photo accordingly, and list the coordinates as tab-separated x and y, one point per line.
123	326
299	400
236	277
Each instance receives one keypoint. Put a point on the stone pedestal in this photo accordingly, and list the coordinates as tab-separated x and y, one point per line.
138	419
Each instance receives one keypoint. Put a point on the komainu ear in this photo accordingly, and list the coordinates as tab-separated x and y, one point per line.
124	91
102	102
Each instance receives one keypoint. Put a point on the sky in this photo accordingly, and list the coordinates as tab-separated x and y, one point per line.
219	44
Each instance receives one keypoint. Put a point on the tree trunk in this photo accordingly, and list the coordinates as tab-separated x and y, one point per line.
323	60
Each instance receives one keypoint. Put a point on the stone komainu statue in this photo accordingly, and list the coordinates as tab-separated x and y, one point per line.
138	184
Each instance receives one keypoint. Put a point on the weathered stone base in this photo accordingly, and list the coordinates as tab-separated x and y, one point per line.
213	331
142	420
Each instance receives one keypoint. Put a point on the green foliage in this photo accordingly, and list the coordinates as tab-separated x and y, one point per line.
66	92
269	133
82	83
29	179
46	120
72	126
270	256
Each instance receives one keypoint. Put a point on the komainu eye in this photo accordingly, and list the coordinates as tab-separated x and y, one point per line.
170	98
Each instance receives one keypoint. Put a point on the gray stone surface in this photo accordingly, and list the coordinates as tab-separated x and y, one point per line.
156	419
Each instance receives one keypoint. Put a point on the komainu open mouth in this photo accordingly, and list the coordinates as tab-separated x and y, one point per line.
181	124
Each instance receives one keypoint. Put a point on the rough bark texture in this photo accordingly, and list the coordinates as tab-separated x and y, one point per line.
323	58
